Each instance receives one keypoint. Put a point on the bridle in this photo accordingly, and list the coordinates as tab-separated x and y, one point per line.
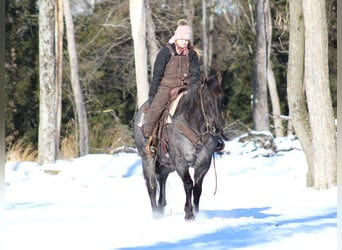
209	129
202	137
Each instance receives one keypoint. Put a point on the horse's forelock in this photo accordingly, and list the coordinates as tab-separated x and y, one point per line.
213	98
214	84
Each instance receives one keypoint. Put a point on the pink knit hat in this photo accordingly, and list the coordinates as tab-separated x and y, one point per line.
183	31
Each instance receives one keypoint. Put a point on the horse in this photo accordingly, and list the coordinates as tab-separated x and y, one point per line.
193	135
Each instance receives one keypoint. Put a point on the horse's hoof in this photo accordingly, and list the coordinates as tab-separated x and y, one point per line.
158	214
189	217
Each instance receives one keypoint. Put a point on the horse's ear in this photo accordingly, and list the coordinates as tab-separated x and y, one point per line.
219	77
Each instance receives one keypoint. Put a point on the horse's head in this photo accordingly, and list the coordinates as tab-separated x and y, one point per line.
212	95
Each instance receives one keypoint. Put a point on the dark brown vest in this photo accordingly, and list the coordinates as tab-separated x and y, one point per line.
176	71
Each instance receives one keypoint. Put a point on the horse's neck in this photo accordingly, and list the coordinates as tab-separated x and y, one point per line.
192	113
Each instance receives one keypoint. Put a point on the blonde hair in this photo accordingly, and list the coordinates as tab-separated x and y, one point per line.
196	50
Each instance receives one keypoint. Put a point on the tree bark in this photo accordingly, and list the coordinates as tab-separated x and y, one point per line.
271	81
295	79
189	11
59	31
75	83
211	33
47	78
324	173
205	37
272	87
260	105
151	37
138	25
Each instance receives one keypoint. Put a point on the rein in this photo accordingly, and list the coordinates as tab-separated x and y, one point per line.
203	137
208	131
215	175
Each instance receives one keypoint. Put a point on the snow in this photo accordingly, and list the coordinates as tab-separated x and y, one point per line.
100	202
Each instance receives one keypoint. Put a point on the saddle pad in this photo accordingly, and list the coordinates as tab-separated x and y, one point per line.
141	121
173	106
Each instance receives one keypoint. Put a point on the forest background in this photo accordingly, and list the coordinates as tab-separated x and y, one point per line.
107	74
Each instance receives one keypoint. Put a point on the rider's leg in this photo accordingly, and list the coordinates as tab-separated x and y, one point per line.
157	106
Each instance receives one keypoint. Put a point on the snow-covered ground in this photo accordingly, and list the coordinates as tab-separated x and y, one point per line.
100	202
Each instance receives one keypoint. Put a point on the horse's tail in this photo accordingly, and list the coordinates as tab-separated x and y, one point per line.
148	162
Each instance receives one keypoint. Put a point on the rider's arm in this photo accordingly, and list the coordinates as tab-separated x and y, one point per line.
194	69
162	59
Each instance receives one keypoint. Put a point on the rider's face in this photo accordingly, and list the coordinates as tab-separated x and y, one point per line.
182	43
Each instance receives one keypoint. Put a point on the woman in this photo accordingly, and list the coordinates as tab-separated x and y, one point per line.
176	64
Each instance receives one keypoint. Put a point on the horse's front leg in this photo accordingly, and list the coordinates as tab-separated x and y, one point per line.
199	174
148	164
188	187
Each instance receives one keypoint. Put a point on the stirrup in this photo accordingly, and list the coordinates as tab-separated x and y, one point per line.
149	148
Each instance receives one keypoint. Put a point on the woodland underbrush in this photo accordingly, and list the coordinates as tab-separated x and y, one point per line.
20	150
101	141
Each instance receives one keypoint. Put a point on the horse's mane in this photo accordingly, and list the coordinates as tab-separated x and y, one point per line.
191	100
203	94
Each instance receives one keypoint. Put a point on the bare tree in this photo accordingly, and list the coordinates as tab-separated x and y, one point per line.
47	78
260	107
138	25
271	81
205	37
316	81
59	31
211	33
189	11
295	80
75	83
276	113
151	36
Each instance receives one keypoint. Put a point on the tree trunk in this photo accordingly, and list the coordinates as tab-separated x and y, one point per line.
272	87
189	12
137	16
211	33
271	82
295	77
324	173
260	105
76	88
59	30
205	38
151	37
47	79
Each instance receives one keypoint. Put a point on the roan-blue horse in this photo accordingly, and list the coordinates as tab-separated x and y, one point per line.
191	140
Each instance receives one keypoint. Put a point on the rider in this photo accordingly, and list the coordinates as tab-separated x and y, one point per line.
176	64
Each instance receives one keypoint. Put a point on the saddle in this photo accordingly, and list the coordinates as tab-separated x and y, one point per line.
159	142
